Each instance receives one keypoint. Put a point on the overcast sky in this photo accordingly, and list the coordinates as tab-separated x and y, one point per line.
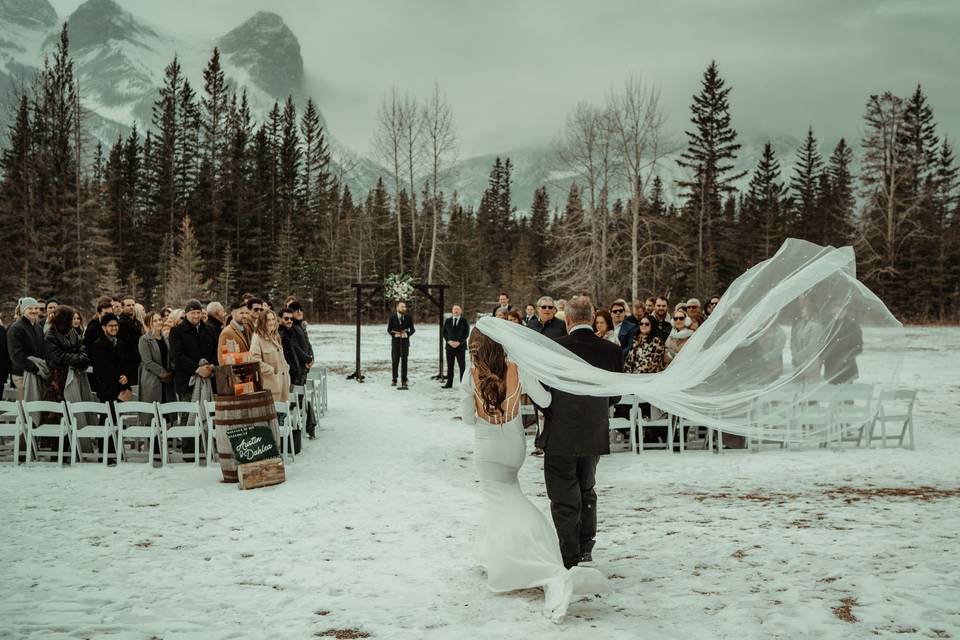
513	69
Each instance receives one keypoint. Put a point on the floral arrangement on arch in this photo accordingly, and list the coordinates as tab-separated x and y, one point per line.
398	286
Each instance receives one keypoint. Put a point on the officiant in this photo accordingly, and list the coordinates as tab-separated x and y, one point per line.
400	327
456	330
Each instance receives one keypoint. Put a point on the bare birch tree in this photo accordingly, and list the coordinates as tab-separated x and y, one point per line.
412	140
388	147
636	119
441	140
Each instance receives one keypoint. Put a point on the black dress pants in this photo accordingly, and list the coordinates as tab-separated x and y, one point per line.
458	356
570	484
399	349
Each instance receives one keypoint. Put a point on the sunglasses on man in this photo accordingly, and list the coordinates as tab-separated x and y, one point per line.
546	306
616	311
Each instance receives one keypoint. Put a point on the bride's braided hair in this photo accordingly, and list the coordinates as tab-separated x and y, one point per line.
490	361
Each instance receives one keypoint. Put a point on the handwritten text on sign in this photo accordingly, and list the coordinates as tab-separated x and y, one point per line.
251	443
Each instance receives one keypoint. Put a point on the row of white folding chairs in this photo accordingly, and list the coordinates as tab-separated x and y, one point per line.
73	422
830	415
316	391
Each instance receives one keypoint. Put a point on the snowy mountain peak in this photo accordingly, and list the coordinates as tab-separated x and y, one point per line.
266	48
33	14
96	22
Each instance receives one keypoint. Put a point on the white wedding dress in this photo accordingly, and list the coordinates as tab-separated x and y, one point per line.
517	544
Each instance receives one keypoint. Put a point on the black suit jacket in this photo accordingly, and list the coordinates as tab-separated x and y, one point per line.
108	365
579	425
458	333
394	324
189	345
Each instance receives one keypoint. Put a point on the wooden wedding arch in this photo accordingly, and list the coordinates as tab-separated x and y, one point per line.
432	292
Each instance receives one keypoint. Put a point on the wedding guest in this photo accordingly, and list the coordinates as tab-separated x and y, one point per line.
603	327
400	328
711	305
840	362
165	312
129	337
547	322
156	375
111	379
638	311
456	330
216	317
530	313
806	340
295	357
647	353
561	309
503	305
500	313
46	319
24	341
648	306
623	326
94	329
301	337
234	337
515	317
661	318
64	351
267	348
678	336
141	316
172	320
693	312
191	343
78	325
256	307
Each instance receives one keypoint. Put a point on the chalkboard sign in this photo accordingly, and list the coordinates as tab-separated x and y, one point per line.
251	443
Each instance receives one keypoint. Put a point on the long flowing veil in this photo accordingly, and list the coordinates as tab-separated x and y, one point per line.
791	327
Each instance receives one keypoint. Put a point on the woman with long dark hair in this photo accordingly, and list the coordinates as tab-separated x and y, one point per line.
64	351
517	545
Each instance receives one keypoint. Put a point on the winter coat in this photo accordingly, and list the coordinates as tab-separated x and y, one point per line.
840	359
230	333
646	355
129	335
675	343
24	340
189	345
108	366
274	370
152	367
295	357
302	341
63	352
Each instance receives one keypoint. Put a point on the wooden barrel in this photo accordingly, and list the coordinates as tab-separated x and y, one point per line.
250	409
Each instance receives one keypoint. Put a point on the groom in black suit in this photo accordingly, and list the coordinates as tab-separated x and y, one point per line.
400	327
455	332
575	434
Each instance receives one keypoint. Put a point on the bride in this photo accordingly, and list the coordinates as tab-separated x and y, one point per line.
517	544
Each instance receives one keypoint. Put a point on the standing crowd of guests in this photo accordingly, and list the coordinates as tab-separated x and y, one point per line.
126	353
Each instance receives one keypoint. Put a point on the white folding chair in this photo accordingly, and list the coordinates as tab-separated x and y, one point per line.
137	421
12	426
663	421
772	414
323	391
92	420
209	413
812	411
852	412
629	423
170	414
894	406
298	407
285	427
60	429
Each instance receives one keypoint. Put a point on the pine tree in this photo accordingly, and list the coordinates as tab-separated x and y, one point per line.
185	279
711	150
762	217
840	206
806	219
214	126
165	157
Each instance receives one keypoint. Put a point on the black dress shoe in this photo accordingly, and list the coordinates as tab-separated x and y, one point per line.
403	386
393	383
586	557
447	386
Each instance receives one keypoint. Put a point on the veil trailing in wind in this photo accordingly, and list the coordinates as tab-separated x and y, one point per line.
792	326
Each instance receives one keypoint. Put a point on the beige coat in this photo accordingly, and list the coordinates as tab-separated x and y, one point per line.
274	370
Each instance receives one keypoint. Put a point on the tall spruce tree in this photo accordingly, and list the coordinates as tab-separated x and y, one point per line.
711	149
806	220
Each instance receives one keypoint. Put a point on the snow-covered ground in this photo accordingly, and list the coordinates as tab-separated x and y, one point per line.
372	530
